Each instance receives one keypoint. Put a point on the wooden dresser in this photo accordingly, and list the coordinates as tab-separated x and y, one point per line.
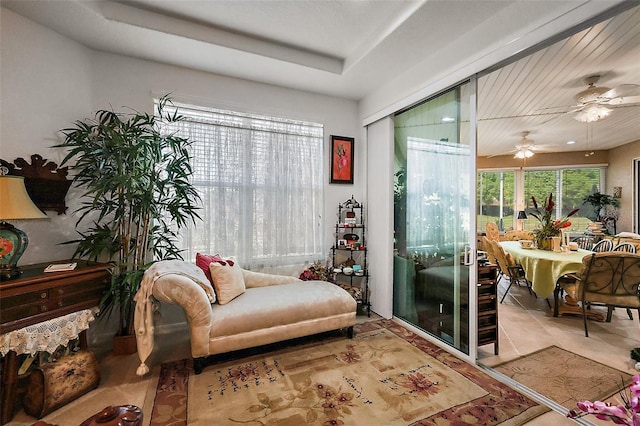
35	296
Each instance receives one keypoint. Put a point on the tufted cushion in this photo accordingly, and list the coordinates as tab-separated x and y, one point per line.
227	279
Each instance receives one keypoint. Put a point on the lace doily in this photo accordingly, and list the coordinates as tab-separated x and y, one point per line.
47	336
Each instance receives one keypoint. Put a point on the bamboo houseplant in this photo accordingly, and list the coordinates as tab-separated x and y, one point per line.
136	197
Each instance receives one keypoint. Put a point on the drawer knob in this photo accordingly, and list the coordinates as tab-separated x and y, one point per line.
43	308
60	291
60	304
43	295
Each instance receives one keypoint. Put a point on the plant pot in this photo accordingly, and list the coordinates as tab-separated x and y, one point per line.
545	244
124	345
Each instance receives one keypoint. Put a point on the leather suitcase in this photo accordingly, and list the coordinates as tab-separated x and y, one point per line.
57	383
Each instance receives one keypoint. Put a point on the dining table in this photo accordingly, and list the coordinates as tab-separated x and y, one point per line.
543	268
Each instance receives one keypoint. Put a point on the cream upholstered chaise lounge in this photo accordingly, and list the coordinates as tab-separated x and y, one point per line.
267	309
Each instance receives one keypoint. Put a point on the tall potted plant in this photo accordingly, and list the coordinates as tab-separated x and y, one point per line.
136	197
604	209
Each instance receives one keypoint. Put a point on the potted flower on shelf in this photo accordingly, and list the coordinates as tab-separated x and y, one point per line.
548	227
136	195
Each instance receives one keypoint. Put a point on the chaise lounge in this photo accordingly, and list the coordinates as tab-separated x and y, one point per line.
252	309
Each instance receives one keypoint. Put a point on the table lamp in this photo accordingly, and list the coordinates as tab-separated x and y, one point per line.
15	204
522	216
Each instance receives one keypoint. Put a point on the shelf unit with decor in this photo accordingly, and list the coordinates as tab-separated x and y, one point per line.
349	253
488	305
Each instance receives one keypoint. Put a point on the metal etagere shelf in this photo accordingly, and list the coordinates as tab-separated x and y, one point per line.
349	252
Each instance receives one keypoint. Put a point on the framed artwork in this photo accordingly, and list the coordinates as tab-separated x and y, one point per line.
341	159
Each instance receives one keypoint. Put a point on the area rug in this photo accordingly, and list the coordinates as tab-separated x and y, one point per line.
565	377
385	375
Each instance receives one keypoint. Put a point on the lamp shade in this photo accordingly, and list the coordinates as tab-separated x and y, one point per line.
15	202
522	214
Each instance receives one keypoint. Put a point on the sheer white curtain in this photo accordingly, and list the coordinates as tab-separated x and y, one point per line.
433	181
261	183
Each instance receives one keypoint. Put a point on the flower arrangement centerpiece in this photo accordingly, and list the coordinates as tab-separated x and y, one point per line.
620	414
548	227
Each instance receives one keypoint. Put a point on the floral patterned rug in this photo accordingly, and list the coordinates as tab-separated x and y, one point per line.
565	377
384	375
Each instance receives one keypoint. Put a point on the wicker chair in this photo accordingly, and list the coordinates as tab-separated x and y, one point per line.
514	271
493	233
518	235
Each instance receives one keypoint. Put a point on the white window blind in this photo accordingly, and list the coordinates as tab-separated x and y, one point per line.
261	182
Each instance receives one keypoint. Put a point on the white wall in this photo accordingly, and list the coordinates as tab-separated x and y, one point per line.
49	81
45	82
380	240
620	173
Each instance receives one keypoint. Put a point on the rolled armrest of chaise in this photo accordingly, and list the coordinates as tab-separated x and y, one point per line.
177	289
183	291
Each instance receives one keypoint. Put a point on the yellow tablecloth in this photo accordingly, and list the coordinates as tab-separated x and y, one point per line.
544	267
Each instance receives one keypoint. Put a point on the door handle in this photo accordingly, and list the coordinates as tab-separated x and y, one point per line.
468	257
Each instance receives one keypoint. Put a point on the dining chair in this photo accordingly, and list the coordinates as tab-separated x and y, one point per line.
602	245
625	247
517	235
492	231
510	269
487	248
585	242
609	278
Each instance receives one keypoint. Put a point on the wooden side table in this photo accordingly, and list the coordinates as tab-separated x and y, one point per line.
36	296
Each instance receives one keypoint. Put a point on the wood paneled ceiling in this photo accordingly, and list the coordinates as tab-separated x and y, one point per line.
536	93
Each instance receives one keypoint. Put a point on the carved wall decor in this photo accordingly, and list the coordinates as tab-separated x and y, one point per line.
46	184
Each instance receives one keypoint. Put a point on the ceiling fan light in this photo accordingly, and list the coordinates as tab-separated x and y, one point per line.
523	153
593	113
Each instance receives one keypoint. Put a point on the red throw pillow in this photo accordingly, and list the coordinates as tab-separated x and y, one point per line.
204	260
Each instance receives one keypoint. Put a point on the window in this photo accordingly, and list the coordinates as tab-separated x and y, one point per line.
498	192
496	199
569	187
261	183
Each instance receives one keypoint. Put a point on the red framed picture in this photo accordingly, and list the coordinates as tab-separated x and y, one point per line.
341	159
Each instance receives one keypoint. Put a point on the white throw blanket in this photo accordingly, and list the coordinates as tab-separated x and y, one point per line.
146	305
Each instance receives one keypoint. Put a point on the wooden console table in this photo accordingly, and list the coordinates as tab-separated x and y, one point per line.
36	296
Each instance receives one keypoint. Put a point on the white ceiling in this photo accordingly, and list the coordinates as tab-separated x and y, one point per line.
350	48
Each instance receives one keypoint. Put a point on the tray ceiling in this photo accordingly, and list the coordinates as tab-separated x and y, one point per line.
351	48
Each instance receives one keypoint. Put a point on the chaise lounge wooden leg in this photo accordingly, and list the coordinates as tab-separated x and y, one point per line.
199	364
350	332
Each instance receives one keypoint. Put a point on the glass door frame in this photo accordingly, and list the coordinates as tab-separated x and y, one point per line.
471	257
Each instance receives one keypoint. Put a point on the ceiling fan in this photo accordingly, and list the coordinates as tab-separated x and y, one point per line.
525	149
597	102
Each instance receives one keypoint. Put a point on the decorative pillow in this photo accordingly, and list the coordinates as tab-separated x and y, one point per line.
204	260
227	279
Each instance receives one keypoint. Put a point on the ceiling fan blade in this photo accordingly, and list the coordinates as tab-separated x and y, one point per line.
622	91
502	153
559	115
623	101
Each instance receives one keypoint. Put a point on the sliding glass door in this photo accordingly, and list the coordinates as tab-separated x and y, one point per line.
433	172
